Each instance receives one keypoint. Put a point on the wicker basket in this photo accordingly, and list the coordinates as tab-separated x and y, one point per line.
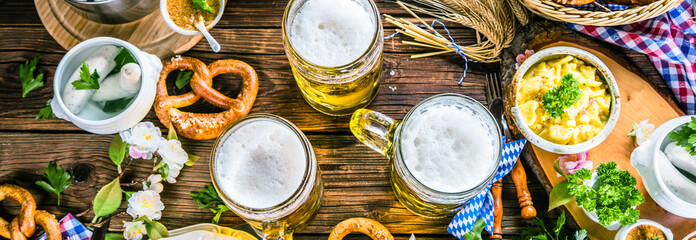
554	11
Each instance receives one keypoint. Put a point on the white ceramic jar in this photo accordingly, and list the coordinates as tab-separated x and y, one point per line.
646	160
150	65
623	232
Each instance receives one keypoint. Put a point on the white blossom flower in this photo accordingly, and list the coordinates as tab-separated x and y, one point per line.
144	139
641	132
173	173
134	230
145	203
153	183
172	154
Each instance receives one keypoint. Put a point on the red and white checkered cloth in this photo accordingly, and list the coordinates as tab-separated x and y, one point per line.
669	40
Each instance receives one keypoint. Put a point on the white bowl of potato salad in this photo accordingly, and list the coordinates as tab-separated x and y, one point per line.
564	100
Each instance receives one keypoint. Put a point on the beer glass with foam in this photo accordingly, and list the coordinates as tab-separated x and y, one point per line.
444	152
335	51
264	169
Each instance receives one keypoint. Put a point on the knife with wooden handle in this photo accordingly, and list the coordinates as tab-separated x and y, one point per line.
519	176
497	190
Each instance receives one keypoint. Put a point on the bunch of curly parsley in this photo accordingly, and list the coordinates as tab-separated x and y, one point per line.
612	196
562	97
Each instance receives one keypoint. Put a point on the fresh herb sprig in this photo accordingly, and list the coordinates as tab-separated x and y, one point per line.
207	197
26	74
539	231
686	136
183	79
475	232
46	112
87	80
561	97
202	5
612	196
122	58
58	180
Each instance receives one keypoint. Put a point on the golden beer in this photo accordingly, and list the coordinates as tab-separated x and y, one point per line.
444	152
335	52
265	171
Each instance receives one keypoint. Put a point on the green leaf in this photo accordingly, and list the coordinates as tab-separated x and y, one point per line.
117	105
218	212
559	195
191	160
171	134
156	230
475	233
202	5
163	169
46	112
686	136
26	74
117	151
207	197
562	97
559	170
183	78
58	180
87	81
124	57
114	236
559	224
108	199
129	194
581	234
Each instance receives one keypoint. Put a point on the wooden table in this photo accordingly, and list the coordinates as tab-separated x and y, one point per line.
355	177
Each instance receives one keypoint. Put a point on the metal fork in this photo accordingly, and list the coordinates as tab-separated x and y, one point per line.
519	177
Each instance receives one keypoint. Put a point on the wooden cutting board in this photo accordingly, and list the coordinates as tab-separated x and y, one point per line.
149	33
639	101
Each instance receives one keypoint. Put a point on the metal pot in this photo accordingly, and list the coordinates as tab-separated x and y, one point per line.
113	11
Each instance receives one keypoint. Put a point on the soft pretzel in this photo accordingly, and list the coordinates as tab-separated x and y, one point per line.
49	223
202	126
369	227
15	233
25	220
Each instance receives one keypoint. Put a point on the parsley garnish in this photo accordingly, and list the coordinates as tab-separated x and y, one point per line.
46	112
116	105
183	78
202	5
124	57
58	180
686	136
612	196
87	81
475	232
539	231
26	74
207	197
561	97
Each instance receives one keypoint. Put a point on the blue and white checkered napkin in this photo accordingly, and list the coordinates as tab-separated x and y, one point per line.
481	206
71	229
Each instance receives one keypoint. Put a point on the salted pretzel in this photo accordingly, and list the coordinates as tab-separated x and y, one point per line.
369	227
24	225
202	126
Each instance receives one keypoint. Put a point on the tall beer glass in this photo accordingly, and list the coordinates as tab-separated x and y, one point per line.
335	51
444	152
265	171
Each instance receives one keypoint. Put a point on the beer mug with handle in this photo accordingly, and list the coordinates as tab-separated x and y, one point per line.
444	152
264	169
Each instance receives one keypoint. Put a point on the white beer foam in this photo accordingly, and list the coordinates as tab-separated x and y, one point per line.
448	148
260	164
331	33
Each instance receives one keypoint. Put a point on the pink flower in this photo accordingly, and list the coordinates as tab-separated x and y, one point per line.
573	162
135	153
521	57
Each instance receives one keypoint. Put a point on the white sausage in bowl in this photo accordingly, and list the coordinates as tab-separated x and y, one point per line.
102	61
125	83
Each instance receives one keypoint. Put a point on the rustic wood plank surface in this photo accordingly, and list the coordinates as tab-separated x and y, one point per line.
355	177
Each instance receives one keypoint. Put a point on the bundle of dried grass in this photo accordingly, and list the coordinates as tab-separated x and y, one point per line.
494	19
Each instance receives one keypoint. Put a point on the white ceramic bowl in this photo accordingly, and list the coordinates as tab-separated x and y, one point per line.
150	67
553	53
623	232
645	159
693	234
176	28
